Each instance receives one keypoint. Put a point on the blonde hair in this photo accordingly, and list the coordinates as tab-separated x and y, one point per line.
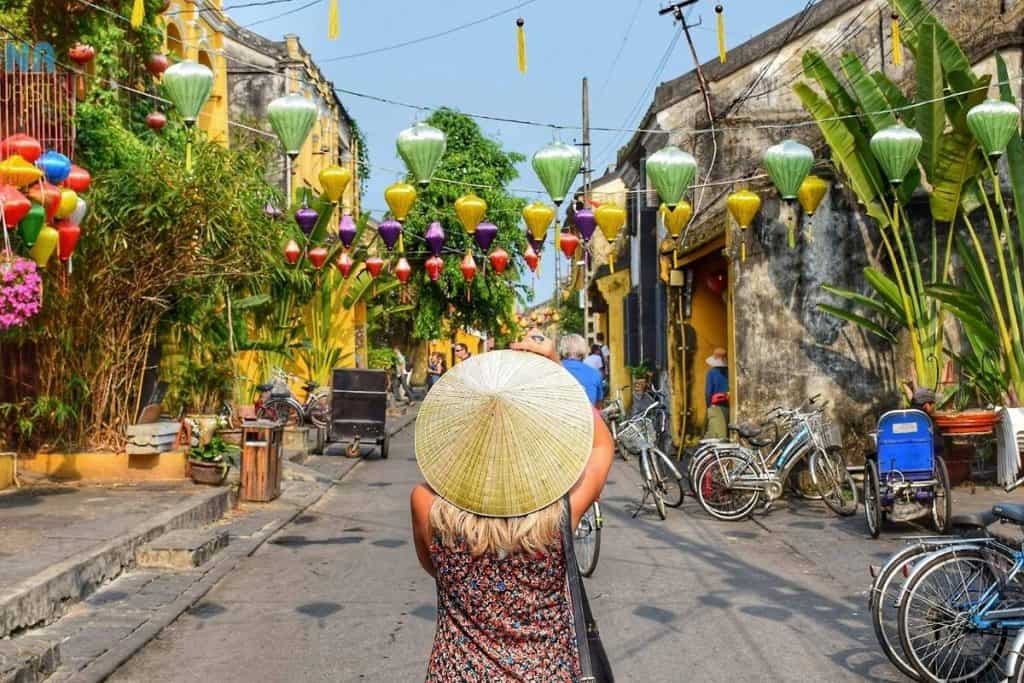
530	533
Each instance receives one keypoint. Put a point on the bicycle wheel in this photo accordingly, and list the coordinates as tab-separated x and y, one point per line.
669	481
281	411
872	499
834	482
800	483
884	611
935	626
652	487
716	495
587	540
942	506
320	409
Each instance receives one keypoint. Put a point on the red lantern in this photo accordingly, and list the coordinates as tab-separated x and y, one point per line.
468	267
531	258
374	265
434	266
292	252
15	205
68	234
403	271
25	146
499	260
156	120
568	242
716	282
344	264
81	54
46	195
78	180
157	64
318	257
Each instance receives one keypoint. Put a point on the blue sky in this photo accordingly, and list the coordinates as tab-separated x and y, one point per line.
617	44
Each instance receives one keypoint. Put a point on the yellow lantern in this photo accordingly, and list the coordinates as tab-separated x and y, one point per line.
334	180
538	217
811	192
400	197
610	219
743	206
68	203
470	209
44	247
676	219
16	171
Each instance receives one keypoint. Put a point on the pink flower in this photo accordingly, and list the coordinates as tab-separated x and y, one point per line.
21	290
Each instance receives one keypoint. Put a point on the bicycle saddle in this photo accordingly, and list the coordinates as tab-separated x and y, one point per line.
750	433
1013	512
973	520
264	387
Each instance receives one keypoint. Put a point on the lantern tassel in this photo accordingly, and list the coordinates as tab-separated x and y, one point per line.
188	156
138	13
792	236
743	249
332	20
521	44
721	33
897	43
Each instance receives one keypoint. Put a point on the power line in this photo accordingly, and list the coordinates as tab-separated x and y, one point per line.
283	14
622	47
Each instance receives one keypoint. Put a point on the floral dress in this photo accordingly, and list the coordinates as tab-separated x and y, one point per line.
502	618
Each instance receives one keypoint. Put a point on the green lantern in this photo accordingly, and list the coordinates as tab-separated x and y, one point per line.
421	148
993	123
788	163
671	171
188	84
896	149
292	117
557	165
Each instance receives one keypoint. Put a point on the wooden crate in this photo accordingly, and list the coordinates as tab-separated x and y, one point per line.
261	461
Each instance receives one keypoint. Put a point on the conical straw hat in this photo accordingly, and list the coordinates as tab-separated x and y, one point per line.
504	434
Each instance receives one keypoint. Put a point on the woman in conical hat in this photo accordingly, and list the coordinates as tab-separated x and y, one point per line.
501	440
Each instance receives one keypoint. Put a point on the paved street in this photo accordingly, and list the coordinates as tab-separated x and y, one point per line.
338	596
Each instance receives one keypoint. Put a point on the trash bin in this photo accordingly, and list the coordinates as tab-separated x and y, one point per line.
261	461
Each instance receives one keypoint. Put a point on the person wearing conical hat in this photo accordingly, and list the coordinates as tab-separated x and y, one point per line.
505	441
716	395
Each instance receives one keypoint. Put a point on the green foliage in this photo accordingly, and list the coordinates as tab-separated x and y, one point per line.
380	359
216	450
570	316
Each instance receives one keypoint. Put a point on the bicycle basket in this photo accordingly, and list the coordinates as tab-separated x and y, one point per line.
636	435
825	432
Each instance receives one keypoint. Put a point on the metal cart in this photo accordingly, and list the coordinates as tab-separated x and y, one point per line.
359	404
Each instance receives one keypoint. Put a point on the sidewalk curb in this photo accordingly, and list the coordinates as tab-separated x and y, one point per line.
45	597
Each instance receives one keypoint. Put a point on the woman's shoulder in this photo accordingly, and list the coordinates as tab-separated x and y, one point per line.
422	494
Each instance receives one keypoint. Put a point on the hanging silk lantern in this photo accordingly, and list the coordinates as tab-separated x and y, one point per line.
610	219
187	85
78	180
31	224
389	232
14	205
434	265
55	166
811	192
671	171
468	267
48	195
993	123
347	230
67	239
568	243
896	149
306	219
17	172
78	215
743	206
434	238
272	212
557	165
485	234
81	54
157	64
317	256
403	271
292	252
531	258
538	217
45	245
788	163
521	44
470	209
720	13
291	117
334	180
374	264
344	264
499	260
156	120
400	197
897	42
67	204
585	223
421	148
25	146
676	219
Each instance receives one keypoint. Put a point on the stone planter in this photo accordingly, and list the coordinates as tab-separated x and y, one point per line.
212	473
966	423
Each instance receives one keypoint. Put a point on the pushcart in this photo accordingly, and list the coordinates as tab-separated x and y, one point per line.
359	402
905	480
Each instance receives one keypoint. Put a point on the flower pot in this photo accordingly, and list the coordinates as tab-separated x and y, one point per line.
966	423
213	473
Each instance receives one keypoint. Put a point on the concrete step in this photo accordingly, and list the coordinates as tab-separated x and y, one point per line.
28	660
182	549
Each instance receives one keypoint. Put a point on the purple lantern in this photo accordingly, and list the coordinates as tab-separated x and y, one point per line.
535	243
434	238
485	234
585	223
389	231
272	211
347	230
306	218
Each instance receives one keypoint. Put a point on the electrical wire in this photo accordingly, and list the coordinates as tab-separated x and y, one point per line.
283	14
242	5
622	47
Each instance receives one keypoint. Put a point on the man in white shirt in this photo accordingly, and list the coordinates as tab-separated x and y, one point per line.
605	353
595	359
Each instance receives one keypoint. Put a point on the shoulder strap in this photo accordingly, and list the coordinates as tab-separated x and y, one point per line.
575	581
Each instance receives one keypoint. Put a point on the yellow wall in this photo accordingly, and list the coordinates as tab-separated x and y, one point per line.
7	463
614	288
709	320
444	346
106	466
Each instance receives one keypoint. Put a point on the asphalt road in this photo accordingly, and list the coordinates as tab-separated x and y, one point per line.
338	595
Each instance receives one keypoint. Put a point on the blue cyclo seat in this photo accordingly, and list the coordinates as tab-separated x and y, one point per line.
906	443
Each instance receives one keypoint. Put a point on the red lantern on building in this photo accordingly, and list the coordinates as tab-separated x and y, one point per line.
157	64
716	282
156	120
81	54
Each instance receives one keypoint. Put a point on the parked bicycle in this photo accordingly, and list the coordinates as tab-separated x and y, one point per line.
614	415
587	539
282	407
662	482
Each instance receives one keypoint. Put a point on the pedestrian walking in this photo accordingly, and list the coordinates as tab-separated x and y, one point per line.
606	353
716	395
595	359
436	366
573	349
460	352
401	383
507	443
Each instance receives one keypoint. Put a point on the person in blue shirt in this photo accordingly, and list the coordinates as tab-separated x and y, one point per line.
573	349
716	395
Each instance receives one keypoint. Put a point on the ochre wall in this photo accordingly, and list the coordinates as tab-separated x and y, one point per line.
614	288
709	320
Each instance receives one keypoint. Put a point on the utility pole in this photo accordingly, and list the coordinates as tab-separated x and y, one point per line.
587	327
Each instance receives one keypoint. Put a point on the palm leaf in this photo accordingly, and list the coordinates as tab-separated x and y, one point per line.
931	115
858	320
815	67
878	306
895	97
1014	150
887	289
915	18
958	162
870	97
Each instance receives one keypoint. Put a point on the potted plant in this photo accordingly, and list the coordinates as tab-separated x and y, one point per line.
641	376
209	463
